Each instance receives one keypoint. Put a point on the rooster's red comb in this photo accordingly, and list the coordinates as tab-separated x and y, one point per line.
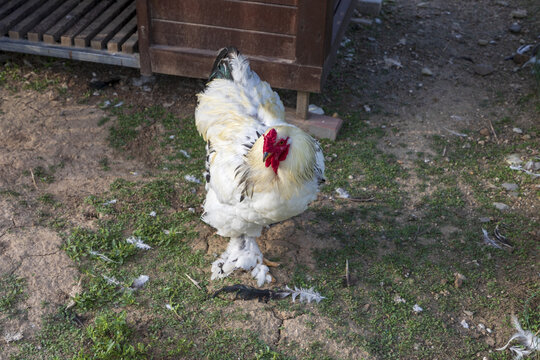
269	140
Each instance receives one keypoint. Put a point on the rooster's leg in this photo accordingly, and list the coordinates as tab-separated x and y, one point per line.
242	253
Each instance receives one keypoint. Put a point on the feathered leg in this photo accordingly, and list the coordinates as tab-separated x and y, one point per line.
242	253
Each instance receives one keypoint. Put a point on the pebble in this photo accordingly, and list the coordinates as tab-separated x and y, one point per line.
483	42
426	71
515	28
510	187
519	13
517	130
464	324
484	219
458	280
483	69
484	132
526	137
514	159
501	206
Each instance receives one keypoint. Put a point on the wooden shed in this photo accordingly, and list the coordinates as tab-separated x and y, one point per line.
291	43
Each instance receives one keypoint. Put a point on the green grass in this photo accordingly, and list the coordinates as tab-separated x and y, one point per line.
12	291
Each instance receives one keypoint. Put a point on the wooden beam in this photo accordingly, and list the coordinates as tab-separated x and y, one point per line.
115	44
100	40
66	39
143	25
84	37
36	34
302	104
53	34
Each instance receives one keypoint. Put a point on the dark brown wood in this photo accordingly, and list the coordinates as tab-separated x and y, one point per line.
8	7
100	40
143	31
311	31
36	34
67	38
19	30
232	14
52	35
115	44
18	14
212	38
84	37
131	44
198	63
277	2
302	104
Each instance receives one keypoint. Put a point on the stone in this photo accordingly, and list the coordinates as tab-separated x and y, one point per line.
517	130
426	71
501	206
483	42
519	13
458	280
369	7
484	131
510	187
483	69
515	28
514	159
484	219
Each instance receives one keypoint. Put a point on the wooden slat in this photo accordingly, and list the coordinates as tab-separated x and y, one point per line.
131	44
198	63
277	2
18	15
84	37
100	40
213	38
66	39
8	7
52	35
143	30
314	20
230	14
115	44
36	34
21	28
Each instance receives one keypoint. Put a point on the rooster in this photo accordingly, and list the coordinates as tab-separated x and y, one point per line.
260	170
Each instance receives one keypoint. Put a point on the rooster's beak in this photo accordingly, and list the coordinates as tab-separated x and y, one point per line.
266	155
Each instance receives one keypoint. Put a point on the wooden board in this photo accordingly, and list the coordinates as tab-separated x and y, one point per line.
21	28
52	35
36	34
67	38
100	40
212	38
84	37
232	14
131	44
8	7
18	14
114	45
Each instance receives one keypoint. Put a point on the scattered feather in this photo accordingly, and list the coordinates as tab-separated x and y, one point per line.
119	104
106	104
417	308
502	239
464	324
185	153
111	280
12	337
455	132
304	295
194	282
192	179
249	293
110	202
528	342
520	168
139	282
169	307
152	213
391	62
139	244
191	210
342	193
171	137
103	257
489	241
524	48
398	299
166	232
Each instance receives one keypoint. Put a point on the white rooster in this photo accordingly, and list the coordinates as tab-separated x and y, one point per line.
260	169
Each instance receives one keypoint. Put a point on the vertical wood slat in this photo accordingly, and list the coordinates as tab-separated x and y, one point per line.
143	21
66	39
99	41
36	34
314	17
19	30
8	7
131	44
52	35
115	44
84	37
17	15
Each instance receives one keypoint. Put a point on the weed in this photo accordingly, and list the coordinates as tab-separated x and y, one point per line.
11	292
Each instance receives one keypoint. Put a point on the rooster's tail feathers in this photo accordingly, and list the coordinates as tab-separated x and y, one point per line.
222	65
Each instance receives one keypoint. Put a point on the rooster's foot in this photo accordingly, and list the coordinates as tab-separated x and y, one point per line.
270	263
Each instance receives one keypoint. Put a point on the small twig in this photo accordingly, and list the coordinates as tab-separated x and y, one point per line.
362	199
493	131
444	151
194	282
347	275
34	179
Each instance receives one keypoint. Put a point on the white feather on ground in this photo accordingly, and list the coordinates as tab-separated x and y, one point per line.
528	342
139	244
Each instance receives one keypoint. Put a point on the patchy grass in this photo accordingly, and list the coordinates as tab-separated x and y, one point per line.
11	292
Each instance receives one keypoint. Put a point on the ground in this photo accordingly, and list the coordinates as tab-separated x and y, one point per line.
424	150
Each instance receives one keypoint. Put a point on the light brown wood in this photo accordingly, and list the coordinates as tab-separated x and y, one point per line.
52	35
115	44
100	39
84	37
131	45
66	39
302	104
